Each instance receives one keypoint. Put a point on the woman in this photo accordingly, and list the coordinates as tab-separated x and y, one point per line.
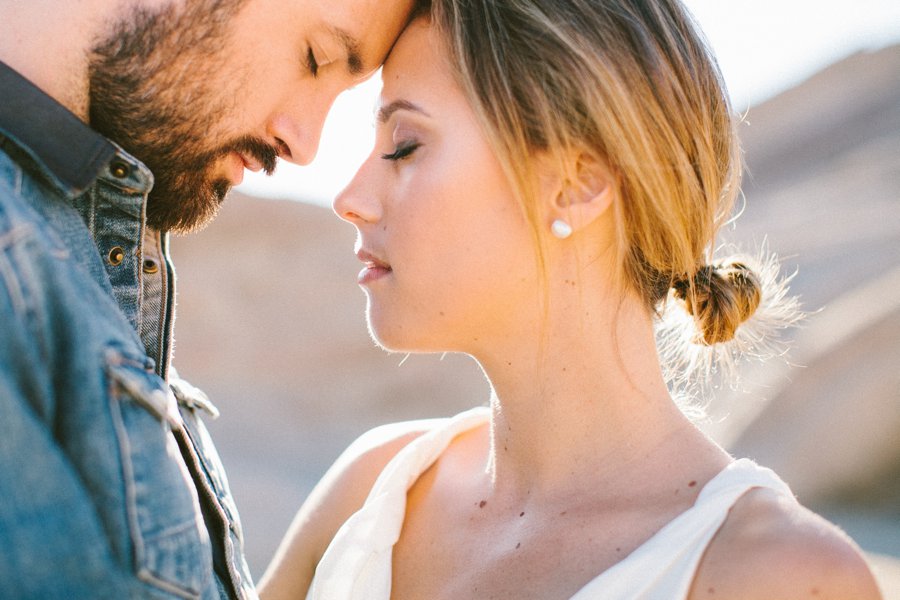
548	178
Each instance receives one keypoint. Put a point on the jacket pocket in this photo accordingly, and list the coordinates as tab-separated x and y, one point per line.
171	545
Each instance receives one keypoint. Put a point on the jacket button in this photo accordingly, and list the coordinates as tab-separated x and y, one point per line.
151	267
116	256
119	169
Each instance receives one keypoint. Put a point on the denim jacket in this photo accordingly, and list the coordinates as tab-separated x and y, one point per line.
109	484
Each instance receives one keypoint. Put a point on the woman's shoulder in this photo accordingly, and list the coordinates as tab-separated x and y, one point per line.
354	473
772	547
372	450
339	494
344	488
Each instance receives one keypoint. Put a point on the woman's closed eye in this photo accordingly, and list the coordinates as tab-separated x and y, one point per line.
404	150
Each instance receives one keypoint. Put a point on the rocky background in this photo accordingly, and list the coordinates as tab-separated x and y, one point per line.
270	324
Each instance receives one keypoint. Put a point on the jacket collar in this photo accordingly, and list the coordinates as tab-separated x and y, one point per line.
68	150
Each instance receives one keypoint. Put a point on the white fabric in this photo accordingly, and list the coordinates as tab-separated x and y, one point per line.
357	563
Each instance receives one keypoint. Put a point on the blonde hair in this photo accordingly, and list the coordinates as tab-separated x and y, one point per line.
631	83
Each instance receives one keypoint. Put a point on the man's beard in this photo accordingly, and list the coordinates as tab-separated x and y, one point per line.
152	92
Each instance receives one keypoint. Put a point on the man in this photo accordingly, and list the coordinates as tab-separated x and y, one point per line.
122	120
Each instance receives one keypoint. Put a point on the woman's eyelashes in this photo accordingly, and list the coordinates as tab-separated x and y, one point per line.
404	150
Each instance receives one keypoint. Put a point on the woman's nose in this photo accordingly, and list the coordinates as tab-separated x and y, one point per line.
358	203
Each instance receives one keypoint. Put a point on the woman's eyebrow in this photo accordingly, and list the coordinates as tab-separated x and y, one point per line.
385	112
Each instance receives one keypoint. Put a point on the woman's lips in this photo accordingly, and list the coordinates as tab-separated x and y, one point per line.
373	269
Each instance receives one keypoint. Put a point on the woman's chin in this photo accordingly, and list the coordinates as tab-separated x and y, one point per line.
398	339
392	342
386	337
387	330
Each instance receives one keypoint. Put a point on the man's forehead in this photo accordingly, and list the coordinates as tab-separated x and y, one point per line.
367	29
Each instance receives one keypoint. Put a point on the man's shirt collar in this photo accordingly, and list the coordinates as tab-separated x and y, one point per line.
70	152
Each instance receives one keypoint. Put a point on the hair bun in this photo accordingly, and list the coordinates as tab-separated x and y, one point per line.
720	298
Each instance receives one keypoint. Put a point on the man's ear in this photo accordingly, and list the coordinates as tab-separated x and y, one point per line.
584	196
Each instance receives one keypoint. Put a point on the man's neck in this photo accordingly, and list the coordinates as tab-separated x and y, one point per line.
49	43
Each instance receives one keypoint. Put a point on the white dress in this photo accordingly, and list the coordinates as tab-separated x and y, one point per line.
357	563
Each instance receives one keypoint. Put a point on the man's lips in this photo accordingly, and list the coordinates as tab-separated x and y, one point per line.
241	161
374	268
234	166
251	163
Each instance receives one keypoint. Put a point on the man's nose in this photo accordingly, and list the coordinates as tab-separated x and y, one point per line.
297	129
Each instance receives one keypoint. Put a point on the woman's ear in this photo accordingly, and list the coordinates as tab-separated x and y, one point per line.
581	198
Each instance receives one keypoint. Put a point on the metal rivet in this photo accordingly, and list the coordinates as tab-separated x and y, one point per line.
151	267
116	256
119	169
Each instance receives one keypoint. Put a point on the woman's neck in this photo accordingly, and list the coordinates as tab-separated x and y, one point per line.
584	401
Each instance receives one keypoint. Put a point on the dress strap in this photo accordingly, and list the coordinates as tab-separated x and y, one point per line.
663	567
357	563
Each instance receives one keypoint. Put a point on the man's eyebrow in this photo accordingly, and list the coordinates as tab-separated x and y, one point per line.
352	47
385	112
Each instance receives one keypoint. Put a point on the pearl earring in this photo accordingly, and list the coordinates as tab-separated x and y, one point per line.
561	229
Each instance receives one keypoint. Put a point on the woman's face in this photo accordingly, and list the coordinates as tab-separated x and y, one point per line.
449	258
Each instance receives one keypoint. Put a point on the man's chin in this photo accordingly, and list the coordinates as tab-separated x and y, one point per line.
165	213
